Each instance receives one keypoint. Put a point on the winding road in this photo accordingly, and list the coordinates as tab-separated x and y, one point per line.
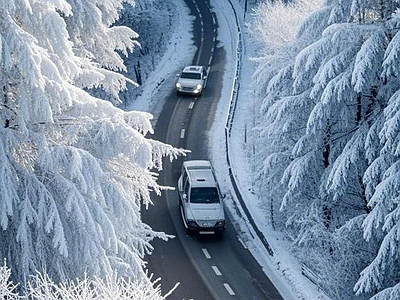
205	267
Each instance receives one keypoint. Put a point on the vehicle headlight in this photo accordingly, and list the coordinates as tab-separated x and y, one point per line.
199	86
178	85
220	223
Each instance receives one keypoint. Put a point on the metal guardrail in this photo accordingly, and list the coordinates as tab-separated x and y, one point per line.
228	129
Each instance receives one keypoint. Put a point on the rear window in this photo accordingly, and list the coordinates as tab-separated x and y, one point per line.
190	75
204	195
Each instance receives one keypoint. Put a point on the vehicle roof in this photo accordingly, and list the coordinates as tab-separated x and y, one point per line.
195	164
200	173
193	69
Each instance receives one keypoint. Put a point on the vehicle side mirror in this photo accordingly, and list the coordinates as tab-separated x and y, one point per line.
185	197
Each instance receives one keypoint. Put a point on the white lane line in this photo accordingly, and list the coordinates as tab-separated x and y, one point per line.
191	105
216	270
206	254
211	57
183	133
229	289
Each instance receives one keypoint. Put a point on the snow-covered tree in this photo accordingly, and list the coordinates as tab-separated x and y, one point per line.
7	287
41	287
272	83
382	180
330	127
74	169
147	21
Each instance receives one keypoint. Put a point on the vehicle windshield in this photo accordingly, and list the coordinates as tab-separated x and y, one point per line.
204	195
190	75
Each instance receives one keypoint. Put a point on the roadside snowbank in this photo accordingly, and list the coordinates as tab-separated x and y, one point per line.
179	53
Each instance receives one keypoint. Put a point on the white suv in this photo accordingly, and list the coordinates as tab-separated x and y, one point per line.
200	200
192	80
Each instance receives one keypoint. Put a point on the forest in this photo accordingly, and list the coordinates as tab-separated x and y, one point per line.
76	169
328	138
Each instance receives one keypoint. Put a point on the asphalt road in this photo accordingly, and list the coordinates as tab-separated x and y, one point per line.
206	267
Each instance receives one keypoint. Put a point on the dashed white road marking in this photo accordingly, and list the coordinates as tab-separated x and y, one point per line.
183	133
216	270
229	289
191	105
206	253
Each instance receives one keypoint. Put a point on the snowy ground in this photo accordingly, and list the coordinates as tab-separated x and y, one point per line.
282	268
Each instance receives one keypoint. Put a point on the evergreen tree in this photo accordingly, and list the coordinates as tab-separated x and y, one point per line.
382	179
41	287
330	114
74	169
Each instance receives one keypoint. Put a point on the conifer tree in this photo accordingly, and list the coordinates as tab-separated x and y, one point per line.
330	127
75	170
